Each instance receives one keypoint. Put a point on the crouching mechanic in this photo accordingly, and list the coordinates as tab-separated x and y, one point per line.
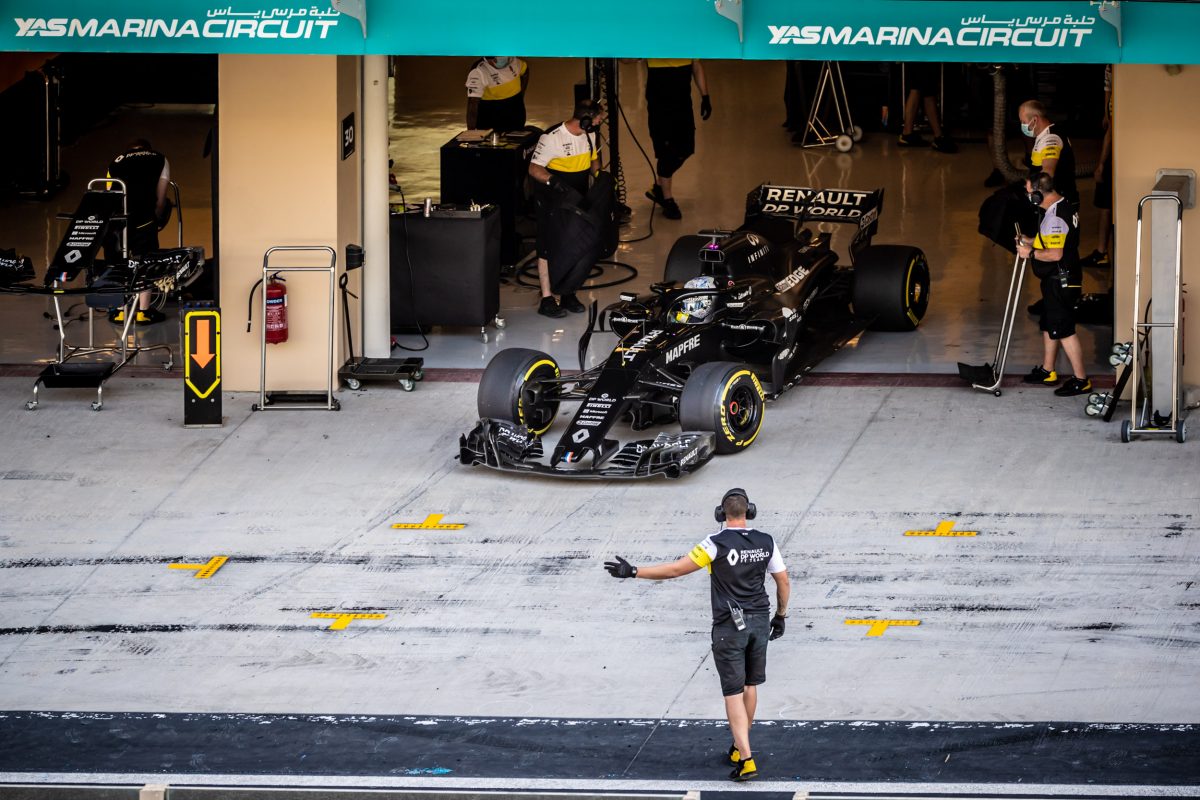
1055	253
737	559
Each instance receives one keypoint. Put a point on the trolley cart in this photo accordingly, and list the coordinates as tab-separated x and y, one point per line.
845	133
299	400
1145	414
987	377
359	370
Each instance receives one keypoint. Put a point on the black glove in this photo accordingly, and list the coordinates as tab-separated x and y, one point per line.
705	107
620	568
778	623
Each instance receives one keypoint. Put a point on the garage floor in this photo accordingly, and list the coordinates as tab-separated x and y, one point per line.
990	596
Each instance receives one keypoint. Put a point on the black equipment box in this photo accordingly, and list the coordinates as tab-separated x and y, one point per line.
478	171
455	256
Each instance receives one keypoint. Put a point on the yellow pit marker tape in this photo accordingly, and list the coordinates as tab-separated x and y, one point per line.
878	626
944	528
432	523
342	621
205	570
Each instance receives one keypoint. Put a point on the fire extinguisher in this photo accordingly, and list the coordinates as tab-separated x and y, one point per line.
277	317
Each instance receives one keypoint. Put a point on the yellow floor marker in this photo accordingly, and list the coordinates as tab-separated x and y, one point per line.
944	528
342	621
432	523
203	570
878	626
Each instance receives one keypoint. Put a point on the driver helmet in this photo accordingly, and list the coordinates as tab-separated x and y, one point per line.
698	308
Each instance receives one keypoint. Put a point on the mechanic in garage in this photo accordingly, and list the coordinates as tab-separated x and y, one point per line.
1052	153
496	93
146	174
737	559
565	156
1055	253
669	117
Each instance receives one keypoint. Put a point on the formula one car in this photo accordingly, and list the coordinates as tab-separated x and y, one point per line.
740	317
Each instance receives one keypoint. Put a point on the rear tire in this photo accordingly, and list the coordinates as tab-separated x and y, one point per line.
511	389
891	285
726	399
683	262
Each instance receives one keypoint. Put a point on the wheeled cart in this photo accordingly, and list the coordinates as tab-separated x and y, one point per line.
1156	405
359	370
844	133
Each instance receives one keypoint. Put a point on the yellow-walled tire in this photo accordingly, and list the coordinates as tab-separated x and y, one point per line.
726	399
513	389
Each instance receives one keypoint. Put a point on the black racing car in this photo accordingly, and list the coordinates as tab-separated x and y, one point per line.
740	317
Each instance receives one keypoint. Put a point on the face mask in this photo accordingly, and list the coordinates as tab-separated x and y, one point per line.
1027	129
502	61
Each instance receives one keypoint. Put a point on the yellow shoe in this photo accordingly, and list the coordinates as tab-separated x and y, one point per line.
744	771
735	755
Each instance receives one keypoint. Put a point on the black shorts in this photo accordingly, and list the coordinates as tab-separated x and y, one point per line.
1058	313
1103	196
925	77
741	656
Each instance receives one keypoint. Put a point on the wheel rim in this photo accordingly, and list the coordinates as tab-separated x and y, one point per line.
538	403
742	410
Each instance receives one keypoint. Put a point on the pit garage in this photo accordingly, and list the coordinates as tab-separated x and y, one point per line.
991	596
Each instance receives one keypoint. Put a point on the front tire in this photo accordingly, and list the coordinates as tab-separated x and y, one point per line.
726	399
512	389
891	286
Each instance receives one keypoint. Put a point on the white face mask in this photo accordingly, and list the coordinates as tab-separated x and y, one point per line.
1027	129
501	61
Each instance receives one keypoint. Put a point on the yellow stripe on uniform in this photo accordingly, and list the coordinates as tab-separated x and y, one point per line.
1039	156
503	91
701	557
1049	241
576	163
668	62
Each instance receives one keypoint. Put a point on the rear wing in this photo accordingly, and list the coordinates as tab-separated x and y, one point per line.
852	206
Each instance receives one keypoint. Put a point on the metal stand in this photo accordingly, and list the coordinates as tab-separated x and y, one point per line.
269	401
845	133
988	377
64	374
1157	411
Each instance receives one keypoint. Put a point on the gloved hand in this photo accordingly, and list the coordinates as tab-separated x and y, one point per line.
778	623
705	107
620	568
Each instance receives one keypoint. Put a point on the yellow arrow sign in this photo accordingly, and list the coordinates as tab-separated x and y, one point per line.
944	528
204	570
432	523
342	621
878	626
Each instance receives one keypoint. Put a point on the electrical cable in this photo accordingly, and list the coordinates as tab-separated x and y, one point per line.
412	291
530	271
649	163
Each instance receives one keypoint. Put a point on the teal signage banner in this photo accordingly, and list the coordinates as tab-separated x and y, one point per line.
929	30
864	30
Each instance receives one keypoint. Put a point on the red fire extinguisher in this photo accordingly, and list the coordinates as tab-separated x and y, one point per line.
277	317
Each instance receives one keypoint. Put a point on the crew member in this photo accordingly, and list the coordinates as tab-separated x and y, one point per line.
669	117
737	559
1055	253
1052	153
923	85
496	93
1103	175
565	157
146	174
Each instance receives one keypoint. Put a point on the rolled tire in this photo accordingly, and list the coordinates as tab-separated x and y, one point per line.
891	286
511	389
726	399
683	262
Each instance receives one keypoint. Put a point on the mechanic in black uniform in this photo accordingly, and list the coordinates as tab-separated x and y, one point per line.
669	117
924	79
146	174
737	559
567	155
496	93
1055	253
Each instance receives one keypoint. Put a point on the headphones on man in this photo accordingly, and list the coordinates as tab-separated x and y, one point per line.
1042	183
586	112
751	509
